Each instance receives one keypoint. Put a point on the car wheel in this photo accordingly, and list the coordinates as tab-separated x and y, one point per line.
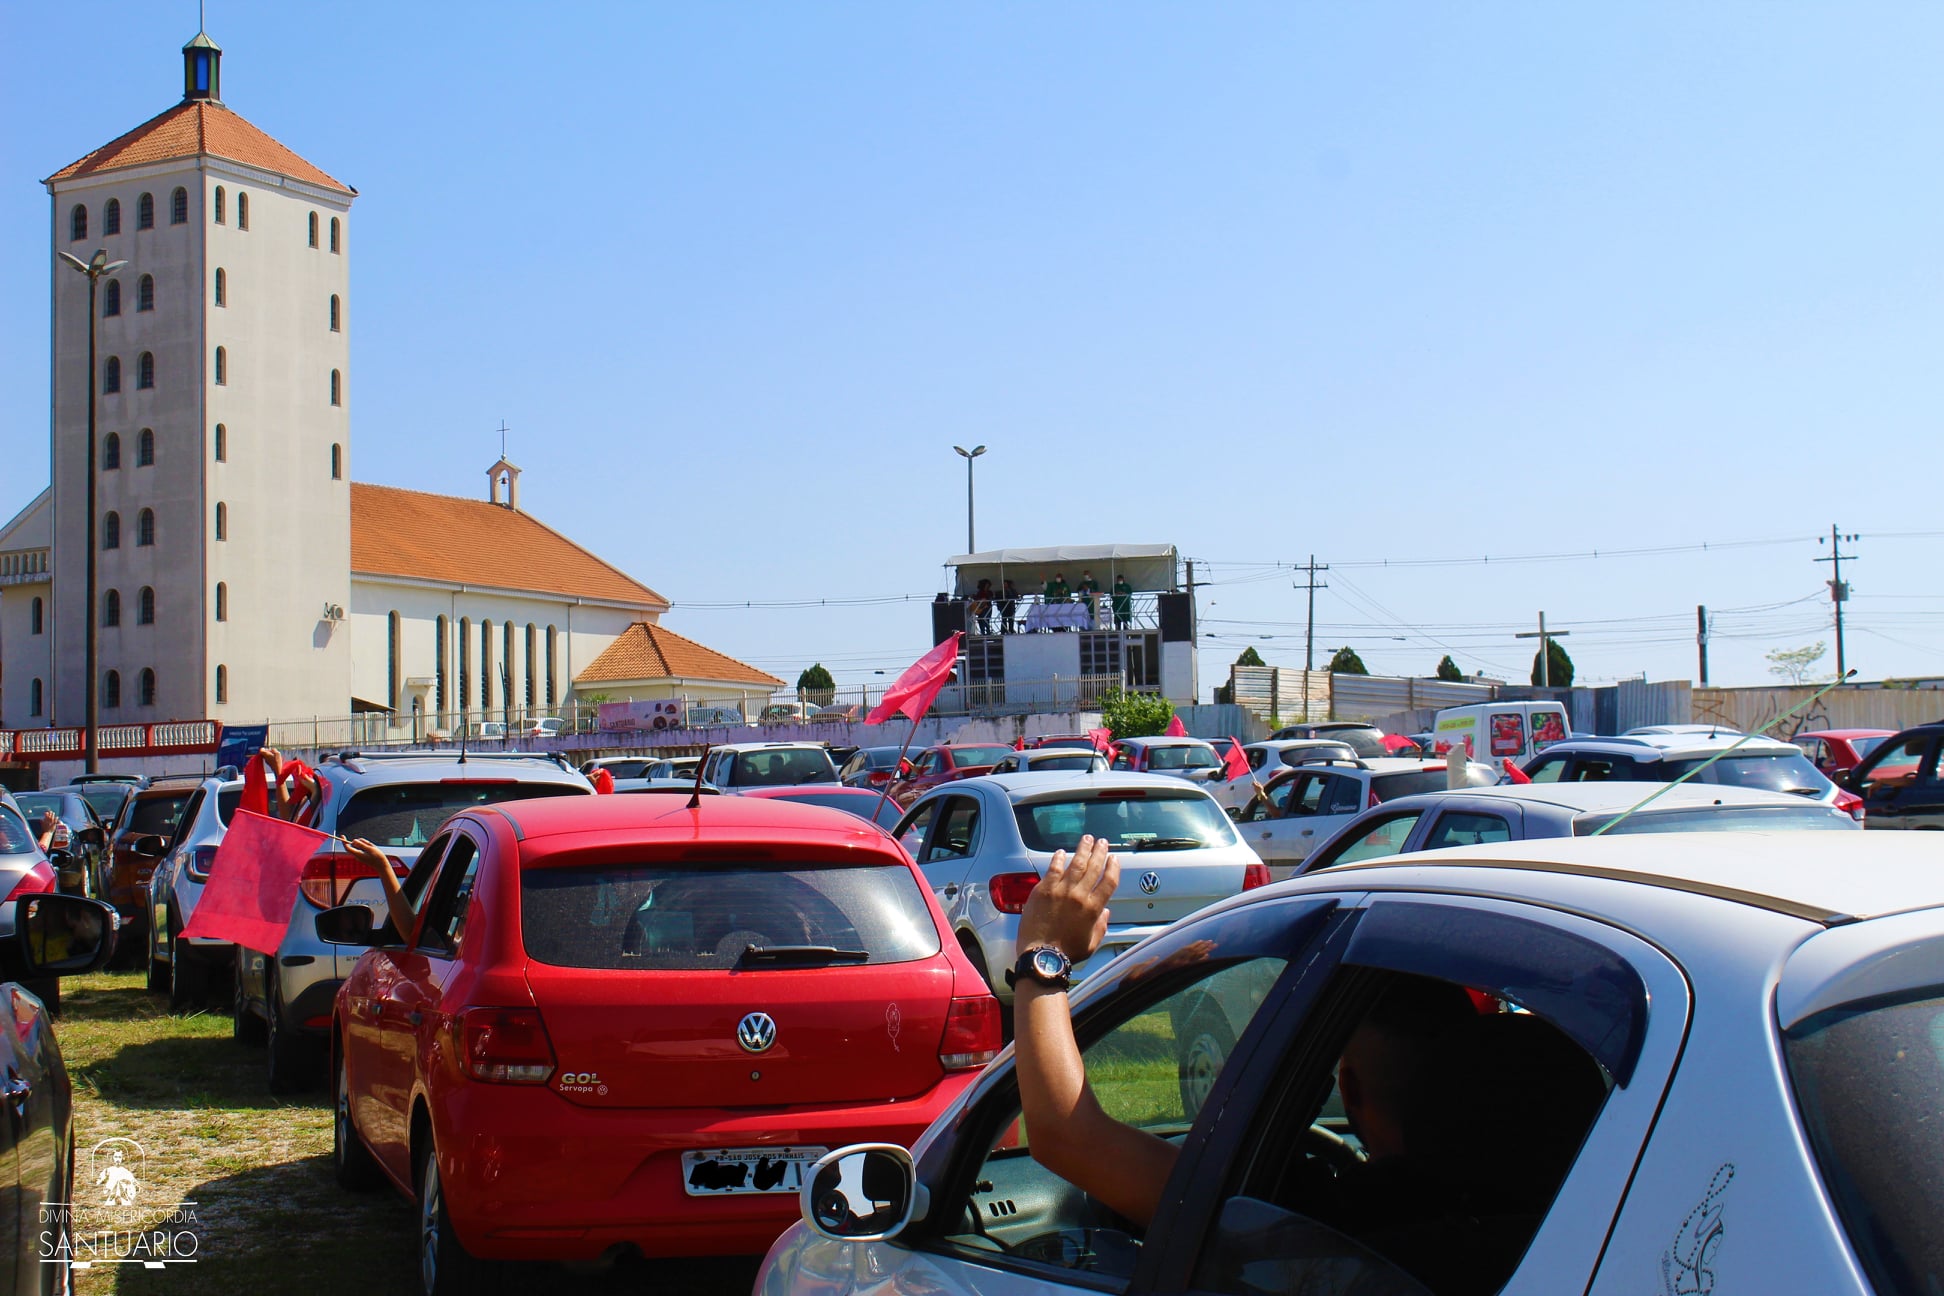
444	1267
158	972
245	1026
1209	1041
356	1168
291	1056
188	979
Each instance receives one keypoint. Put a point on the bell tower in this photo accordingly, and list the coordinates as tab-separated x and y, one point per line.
202	69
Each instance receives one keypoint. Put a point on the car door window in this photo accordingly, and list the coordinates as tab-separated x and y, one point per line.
1307	793
1382	837
1595	768
188	819
1123	758
1895	765
1547	769
445	908
1467	828
957	834
1346	796
911	833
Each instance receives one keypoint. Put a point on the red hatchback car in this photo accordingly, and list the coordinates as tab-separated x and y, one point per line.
942	764
623	1023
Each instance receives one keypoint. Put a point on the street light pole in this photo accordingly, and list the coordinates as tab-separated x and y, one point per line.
94	268
970	455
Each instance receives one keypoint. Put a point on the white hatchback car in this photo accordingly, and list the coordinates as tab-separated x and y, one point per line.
1680	1064
1268	759
1303	808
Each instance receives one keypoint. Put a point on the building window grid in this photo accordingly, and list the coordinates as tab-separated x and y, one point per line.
34	691
336	243
145	212
37	616
146	686
464	656
111	530
145	606
111	299
222	685
336	317
532	654
179	207
145	294
222	443
111	689
222	287
509	663
485	666
222	367
439	668
145	529
219	207
145	372
313	229
393	650
337	462
145	448
337	388
111	452
222	520
111	608
111	217
111	376
553	641
222	601
78	223
242	210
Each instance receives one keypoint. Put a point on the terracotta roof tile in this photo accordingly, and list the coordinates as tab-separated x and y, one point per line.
398	532
192	129
649	652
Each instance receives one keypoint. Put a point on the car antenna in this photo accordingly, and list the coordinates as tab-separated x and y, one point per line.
701	763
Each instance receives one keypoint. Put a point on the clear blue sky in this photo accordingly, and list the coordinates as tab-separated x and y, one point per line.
1374	282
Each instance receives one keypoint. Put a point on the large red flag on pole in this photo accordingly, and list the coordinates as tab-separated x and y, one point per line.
913	692
253	881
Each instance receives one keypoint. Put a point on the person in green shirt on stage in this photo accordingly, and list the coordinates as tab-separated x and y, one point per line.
1056	590
1123	603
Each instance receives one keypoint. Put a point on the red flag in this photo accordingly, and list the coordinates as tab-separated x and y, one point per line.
1513	774
1103	739
914	690
1175	728
253	881
1019	744
603	781
1236	763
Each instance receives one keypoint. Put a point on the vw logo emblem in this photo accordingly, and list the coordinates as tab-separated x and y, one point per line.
1150	882
756	1032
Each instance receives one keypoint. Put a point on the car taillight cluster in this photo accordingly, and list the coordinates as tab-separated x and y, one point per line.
972	1036
504	1045
327	878
1009	891
199	861
39	878
1850	804
1255	875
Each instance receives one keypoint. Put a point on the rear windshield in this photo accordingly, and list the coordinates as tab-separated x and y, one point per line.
688	919
1077	761
157	814
1809	818
628	768
1864	746
68	811
408	814
1126	823
1772	772
14	837
784	768
964	756
1183	757
1085	743
1869	1080
1412	782
1364	742
880	810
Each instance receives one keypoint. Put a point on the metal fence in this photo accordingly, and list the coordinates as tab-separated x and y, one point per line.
1294	696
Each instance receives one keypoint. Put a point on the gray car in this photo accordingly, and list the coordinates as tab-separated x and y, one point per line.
1045	760
735	766
187	969
396	802
982	843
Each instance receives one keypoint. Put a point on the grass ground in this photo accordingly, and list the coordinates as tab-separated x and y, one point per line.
258	1167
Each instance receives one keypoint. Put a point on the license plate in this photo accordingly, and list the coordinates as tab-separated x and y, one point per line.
723	1172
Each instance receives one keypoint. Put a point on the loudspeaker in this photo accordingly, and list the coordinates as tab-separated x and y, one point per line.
1177	623
947	616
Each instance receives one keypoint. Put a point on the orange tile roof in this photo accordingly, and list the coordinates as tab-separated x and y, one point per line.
647	652
398	532
192	129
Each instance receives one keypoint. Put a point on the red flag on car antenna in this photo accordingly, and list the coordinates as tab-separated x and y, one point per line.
253	881
1513	774
1175	728
913	692
1103	739
1019	744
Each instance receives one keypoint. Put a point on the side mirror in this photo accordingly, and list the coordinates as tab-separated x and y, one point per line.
56	935
153	845
91	837
863	1193
347	925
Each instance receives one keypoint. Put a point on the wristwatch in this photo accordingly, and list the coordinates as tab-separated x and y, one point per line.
1043	964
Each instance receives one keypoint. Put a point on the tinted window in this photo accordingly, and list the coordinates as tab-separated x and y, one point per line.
70	810
1864	746
655	919
784	767
106	800
1364	742
957	834
1547	770
226	803
1126	823
1590	768
1077	761
408	814
1896	767
963	756
1385	837
1465	828
1870	1083
880	810
1810	818
156	814
1184	757
1409	783
14	837
1779	772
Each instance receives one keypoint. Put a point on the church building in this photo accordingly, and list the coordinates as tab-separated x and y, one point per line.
241	574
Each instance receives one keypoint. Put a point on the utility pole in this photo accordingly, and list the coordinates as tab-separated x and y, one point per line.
1309	628
1838	589
1701	639
1545	648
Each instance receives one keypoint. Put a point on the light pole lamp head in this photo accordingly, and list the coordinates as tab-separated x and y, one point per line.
74	261
973	453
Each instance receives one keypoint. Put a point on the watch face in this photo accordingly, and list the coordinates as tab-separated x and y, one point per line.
1050	963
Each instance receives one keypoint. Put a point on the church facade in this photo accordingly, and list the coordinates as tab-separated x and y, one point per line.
241	574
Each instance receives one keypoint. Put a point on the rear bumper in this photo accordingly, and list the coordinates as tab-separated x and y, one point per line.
530	1176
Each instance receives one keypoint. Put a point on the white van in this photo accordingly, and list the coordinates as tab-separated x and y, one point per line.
1499	731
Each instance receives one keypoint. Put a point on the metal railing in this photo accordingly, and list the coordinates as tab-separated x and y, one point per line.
1035	614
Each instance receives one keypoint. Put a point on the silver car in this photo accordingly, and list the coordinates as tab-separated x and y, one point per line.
396	802
983	843
188	969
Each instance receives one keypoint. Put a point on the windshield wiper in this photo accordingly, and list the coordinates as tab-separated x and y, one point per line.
1167	843
801	955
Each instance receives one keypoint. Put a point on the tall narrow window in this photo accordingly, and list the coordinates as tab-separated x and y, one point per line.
145	212
111	531
337	388
222	444
393	646
222	287
313	229
337	463
145	372
509	662
464	657
111	689
439	666
532	652
219	204
485	666
335	244
222	601
145	293
111	452
111	217
222	684
36	616
179	207
553	639
335	317
145	606
78	223
222	366
111	299
146	688
222	520
242	210
34	698
111	608
145	448
145	528
111	375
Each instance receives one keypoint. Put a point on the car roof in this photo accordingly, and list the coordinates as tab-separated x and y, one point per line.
799	790
567	823
1283	744
1675	746
354	772
1829	878
803	745
1165	740
1583	798
1030	786
1850	733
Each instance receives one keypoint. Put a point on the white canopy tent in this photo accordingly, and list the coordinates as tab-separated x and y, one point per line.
1149	568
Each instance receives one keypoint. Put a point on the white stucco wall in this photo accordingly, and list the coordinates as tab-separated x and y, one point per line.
26	656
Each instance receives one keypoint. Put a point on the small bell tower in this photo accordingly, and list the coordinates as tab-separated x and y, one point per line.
504	472
202	69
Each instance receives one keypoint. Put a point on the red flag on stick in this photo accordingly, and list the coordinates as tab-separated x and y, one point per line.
1175	728
1103	739
914	690
253	881
1513	774
603	781
1236	763
1019	744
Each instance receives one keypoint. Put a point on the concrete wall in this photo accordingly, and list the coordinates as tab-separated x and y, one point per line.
27	656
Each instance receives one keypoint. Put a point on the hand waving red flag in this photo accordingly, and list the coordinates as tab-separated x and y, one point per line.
1175	728
253	881
914	690
1236	763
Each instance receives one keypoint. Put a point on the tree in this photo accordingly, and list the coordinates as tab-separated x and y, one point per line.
1250	657
1559	672
1797	665
1134	715
1346	662
1448	669
816	685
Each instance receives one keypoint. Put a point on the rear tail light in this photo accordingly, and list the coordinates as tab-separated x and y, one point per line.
327	879
971	1037
880	776
37	879
199	861
1009	891
504	1045
1255	875
1850	804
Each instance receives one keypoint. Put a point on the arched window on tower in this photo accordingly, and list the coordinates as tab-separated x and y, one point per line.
553	658
336	244
439	647
179	206
337	463
222	600
111	217
219	204
111	531
78	223
111	299
34	706
485	666
145	688
313	229
145	293
222	287
145	212
242	210
337	388
222	685
111	689
111	452
222	520
222	444
111	608
394	659
509	664
335	316
36	616
145	528
532	655
111	375
145	606
222	366
464	657
145	372
145	448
